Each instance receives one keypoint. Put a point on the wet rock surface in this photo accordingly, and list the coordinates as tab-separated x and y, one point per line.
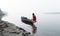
9	29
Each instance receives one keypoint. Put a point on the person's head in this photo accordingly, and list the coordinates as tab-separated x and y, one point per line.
33	14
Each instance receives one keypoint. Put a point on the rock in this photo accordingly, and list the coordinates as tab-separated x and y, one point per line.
9	29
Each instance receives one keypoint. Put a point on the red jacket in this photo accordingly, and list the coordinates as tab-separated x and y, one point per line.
34	18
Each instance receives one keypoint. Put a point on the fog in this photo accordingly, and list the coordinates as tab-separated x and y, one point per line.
47	24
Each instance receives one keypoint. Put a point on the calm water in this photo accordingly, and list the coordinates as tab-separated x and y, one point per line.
49	25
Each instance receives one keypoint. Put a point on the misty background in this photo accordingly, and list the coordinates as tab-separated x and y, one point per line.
47	12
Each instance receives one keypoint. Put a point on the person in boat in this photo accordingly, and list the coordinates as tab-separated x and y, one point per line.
34	18
30	22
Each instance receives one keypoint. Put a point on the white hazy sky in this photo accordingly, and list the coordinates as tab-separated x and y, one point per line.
30	5
18	8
